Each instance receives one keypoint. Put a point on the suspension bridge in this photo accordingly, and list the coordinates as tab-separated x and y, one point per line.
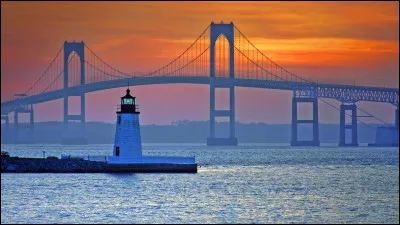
221	57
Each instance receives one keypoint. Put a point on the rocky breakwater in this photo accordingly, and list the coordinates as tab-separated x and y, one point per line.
70	165
37	165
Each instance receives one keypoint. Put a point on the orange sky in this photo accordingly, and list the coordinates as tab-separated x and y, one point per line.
327	41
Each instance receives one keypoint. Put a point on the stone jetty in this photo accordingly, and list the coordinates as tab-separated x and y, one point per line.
37	165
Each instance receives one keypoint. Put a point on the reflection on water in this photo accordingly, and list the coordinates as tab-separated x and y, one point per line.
245	184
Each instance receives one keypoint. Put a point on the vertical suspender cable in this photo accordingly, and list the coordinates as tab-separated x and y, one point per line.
70	71
257	64
88	64
262	66
223	58
248	65
202	59
94	68
203	66
75	72
271	71
240	57
90	68
194	63
219	56
51	75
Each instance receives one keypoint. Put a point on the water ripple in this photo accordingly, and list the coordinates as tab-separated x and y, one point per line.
244	184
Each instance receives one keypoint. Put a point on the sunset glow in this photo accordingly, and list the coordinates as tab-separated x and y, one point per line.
342	42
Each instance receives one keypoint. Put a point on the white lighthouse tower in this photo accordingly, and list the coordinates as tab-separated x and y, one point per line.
127	144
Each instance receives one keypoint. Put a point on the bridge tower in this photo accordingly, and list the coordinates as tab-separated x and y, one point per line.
300	96
351	106
68	136
228	31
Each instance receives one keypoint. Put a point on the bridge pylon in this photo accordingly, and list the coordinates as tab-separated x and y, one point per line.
351	106
226	30
77	136
302	96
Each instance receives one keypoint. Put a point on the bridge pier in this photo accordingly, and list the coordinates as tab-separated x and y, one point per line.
77	135
74	134
5	130
231	140
396	123
7	120
17	126
388	136
353	126
296	121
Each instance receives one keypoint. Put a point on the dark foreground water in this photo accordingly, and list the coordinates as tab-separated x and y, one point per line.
245	184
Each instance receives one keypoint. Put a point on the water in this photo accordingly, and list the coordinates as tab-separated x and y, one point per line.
245	184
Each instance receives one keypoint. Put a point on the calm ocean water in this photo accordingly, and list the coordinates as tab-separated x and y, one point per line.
244	184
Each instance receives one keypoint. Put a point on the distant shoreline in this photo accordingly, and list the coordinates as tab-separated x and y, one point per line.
183	132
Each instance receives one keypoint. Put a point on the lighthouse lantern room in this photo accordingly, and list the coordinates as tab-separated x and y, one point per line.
127	145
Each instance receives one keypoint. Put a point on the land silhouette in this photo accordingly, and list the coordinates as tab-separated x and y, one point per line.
184	132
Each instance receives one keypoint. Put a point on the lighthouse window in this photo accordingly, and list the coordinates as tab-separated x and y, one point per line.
128	101
119	119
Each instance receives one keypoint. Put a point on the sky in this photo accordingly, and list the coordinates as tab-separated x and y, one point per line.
332	42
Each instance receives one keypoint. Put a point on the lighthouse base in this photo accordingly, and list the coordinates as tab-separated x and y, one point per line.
150	159
152	168
151	164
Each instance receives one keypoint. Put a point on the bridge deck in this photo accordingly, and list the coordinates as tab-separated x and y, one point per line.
340	92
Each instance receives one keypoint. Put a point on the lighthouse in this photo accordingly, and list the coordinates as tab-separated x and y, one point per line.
127	153
127	144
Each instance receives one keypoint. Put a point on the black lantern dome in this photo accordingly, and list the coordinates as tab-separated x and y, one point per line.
128	104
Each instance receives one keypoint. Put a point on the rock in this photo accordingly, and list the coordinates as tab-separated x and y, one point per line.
12	167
